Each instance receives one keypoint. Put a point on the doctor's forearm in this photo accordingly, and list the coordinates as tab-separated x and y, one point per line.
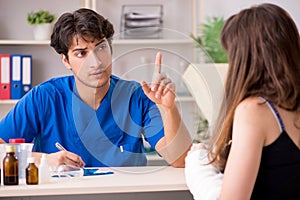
177	140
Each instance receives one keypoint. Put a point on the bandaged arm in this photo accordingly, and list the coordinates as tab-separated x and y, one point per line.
203	180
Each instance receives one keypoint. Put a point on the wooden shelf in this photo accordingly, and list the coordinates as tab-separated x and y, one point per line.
152	41
115	42
24	42
184	99
8	102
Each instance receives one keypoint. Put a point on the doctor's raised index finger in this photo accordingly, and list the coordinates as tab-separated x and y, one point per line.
158	63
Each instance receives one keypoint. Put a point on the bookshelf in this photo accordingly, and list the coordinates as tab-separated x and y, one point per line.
47	64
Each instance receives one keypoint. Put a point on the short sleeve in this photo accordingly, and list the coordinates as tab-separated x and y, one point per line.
22	121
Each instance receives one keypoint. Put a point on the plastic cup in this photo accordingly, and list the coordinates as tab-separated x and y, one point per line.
24	151
2	155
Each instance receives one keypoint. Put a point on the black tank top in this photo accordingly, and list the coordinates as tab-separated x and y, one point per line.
279	172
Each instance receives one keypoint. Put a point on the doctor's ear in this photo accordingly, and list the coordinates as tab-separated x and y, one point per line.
65	61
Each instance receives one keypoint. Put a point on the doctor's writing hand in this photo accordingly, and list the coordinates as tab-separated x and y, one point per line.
162	89
66	158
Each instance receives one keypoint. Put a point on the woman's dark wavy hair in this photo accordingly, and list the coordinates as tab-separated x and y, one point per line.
263	49
82	22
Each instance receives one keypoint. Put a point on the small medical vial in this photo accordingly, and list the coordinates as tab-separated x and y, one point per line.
10	166
32	172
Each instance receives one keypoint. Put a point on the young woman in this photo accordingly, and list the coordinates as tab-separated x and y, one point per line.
256	140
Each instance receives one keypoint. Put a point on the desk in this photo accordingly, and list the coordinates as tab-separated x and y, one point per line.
151	182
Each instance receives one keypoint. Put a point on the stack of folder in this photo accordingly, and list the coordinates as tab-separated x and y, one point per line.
15	75
141	21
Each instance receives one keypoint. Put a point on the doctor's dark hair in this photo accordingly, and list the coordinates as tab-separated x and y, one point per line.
81	23
263	47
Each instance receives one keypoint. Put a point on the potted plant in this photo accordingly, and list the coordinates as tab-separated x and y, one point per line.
42	22
209	40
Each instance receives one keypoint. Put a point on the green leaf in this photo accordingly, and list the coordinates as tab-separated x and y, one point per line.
209	40
40	17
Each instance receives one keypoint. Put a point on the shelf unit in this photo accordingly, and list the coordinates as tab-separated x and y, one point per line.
116	43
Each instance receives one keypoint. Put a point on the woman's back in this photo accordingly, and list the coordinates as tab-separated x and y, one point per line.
278	176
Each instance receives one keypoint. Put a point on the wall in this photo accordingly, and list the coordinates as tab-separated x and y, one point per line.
227	8
14	12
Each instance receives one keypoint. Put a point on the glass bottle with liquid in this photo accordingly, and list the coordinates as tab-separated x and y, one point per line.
10	166
32	173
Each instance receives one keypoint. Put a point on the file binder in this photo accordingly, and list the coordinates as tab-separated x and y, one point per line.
4	76
16	76
26	73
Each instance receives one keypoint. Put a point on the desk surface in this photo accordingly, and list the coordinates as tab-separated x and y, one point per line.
124	180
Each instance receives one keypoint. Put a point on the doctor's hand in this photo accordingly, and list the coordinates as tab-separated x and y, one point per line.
65	157
61	158
162	89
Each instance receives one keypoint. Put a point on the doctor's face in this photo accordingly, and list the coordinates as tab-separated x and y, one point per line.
90	61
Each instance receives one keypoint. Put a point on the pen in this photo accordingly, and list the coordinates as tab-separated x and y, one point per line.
60	147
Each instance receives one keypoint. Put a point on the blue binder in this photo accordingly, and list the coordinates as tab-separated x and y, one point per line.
26	73
16	76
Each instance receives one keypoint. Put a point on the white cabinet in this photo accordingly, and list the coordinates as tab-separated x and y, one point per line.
132	59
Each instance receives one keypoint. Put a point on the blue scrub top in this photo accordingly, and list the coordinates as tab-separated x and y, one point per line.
109	136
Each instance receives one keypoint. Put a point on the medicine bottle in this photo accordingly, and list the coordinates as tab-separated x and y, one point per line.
44	170
10	166
32	172
20	154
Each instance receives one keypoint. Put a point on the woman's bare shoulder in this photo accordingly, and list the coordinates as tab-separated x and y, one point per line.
253	117
252	105
254	111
